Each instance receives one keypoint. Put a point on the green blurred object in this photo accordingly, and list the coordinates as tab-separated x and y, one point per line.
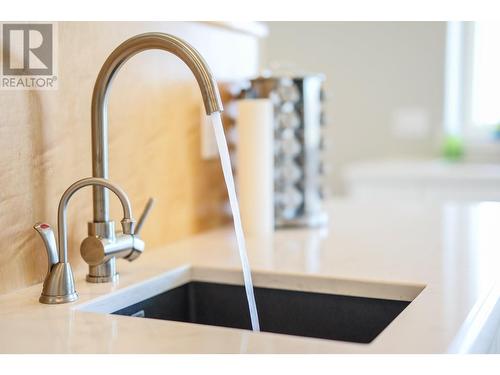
453	148
496	131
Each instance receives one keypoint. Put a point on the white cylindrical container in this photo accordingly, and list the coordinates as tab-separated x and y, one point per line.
255	153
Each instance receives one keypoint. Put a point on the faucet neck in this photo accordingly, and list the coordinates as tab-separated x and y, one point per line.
112	65
127	222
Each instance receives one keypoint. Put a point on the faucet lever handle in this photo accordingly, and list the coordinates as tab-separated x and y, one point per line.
144	215
49	240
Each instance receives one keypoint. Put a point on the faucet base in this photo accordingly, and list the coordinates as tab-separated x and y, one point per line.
50	300
59	285
103	273
102	279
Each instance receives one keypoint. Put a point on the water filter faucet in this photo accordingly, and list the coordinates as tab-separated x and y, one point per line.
102	267
59	284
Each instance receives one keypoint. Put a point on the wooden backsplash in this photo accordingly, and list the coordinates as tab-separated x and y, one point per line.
155	112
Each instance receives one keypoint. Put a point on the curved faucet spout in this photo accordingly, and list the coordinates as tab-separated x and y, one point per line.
112	65
62	230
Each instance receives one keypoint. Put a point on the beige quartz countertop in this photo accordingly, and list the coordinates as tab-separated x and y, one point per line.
450	251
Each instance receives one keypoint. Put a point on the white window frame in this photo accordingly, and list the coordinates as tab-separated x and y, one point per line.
458	90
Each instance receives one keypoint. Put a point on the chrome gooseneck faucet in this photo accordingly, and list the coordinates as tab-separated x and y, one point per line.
59	285
104	268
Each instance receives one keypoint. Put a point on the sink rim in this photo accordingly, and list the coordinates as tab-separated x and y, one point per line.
108	303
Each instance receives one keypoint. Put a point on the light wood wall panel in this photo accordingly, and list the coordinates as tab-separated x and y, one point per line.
155	109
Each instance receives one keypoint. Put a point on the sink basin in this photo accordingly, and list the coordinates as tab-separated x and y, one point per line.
346	310
326	316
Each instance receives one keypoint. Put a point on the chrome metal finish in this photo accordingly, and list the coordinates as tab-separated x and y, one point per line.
96	250
112	65
101	250
62	222
298	136
106	229
103	273
145	214
49	240
59	285
102	246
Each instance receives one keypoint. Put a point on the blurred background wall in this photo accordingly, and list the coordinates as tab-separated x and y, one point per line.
384	85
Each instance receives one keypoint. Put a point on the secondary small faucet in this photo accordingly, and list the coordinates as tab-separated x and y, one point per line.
104	268
59	284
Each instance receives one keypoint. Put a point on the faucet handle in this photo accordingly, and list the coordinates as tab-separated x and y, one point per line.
49	240
137	243
59	283
144	215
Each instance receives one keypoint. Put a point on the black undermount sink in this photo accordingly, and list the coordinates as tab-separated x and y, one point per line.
319	315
